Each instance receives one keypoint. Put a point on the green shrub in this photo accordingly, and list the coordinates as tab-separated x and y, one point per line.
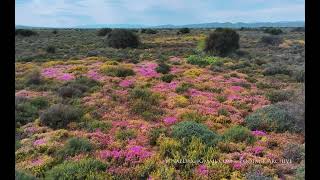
104	31
145	103
59	116
223	112
33	77
294	152
155	134
278	95
20	175
184	87
120	38
118	71
75	146
271	40
203	61
25	111
168	77
273	31
25	32
83	169
185	130
221	98
125	134
51	49
183	31
238	134
55	31
299	75
193	116
270	118
93	125
149	31
273	70
69	91
163	68
222	41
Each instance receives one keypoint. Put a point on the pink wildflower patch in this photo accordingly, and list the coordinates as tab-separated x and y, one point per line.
56	73
237	165
39	142
257	150
148	70
236	88
202	170
94	75
258	133
65	77
169	120
36	162
126	83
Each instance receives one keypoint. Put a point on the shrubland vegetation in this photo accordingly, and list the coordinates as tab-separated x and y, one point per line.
132	104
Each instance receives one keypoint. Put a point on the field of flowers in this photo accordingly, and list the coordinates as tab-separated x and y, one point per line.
163	116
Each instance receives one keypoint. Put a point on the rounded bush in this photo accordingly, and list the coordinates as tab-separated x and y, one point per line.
271	40
50	49
25	111
273	70
59	116
222	41
163	68
278	95
273	31
183	31
121	38
168	77
117	71
238	134
74	146
185	130
104	31
270	118
33	77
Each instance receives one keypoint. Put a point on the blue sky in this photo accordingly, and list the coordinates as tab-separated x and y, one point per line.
68	13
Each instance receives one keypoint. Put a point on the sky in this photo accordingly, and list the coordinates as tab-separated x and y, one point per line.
69	13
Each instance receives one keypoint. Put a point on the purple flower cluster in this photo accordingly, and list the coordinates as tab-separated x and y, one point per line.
39	142
148	70
126	83
57	74
236	88
132	154
170	120
257	150
258	133
202	170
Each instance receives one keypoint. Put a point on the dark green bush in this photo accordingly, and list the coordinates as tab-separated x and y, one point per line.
69	91
295	152
271	40
33	77
222	42
183	31
55	31
299	75
51	49
163	68
75	146
25	111
59	116
273	31
270	118
238	134
83	169
118	71
149	31
278	95
168	77
120	38
104	31
184	87
185	130
300	172
273	70
25	32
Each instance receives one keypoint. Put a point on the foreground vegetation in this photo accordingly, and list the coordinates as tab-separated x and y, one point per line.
88	110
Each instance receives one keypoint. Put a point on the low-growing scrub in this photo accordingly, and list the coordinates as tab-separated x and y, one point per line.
83	169
163	68
121	38
75	146
59	116
270	118
239	134
278	95
185	130
104	31
294	152
168	77
117	71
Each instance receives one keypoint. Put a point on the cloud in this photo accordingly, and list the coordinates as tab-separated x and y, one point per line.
68	13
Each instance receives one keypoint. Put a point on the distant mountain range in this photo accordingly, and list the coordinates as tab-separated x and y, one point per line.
201	25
